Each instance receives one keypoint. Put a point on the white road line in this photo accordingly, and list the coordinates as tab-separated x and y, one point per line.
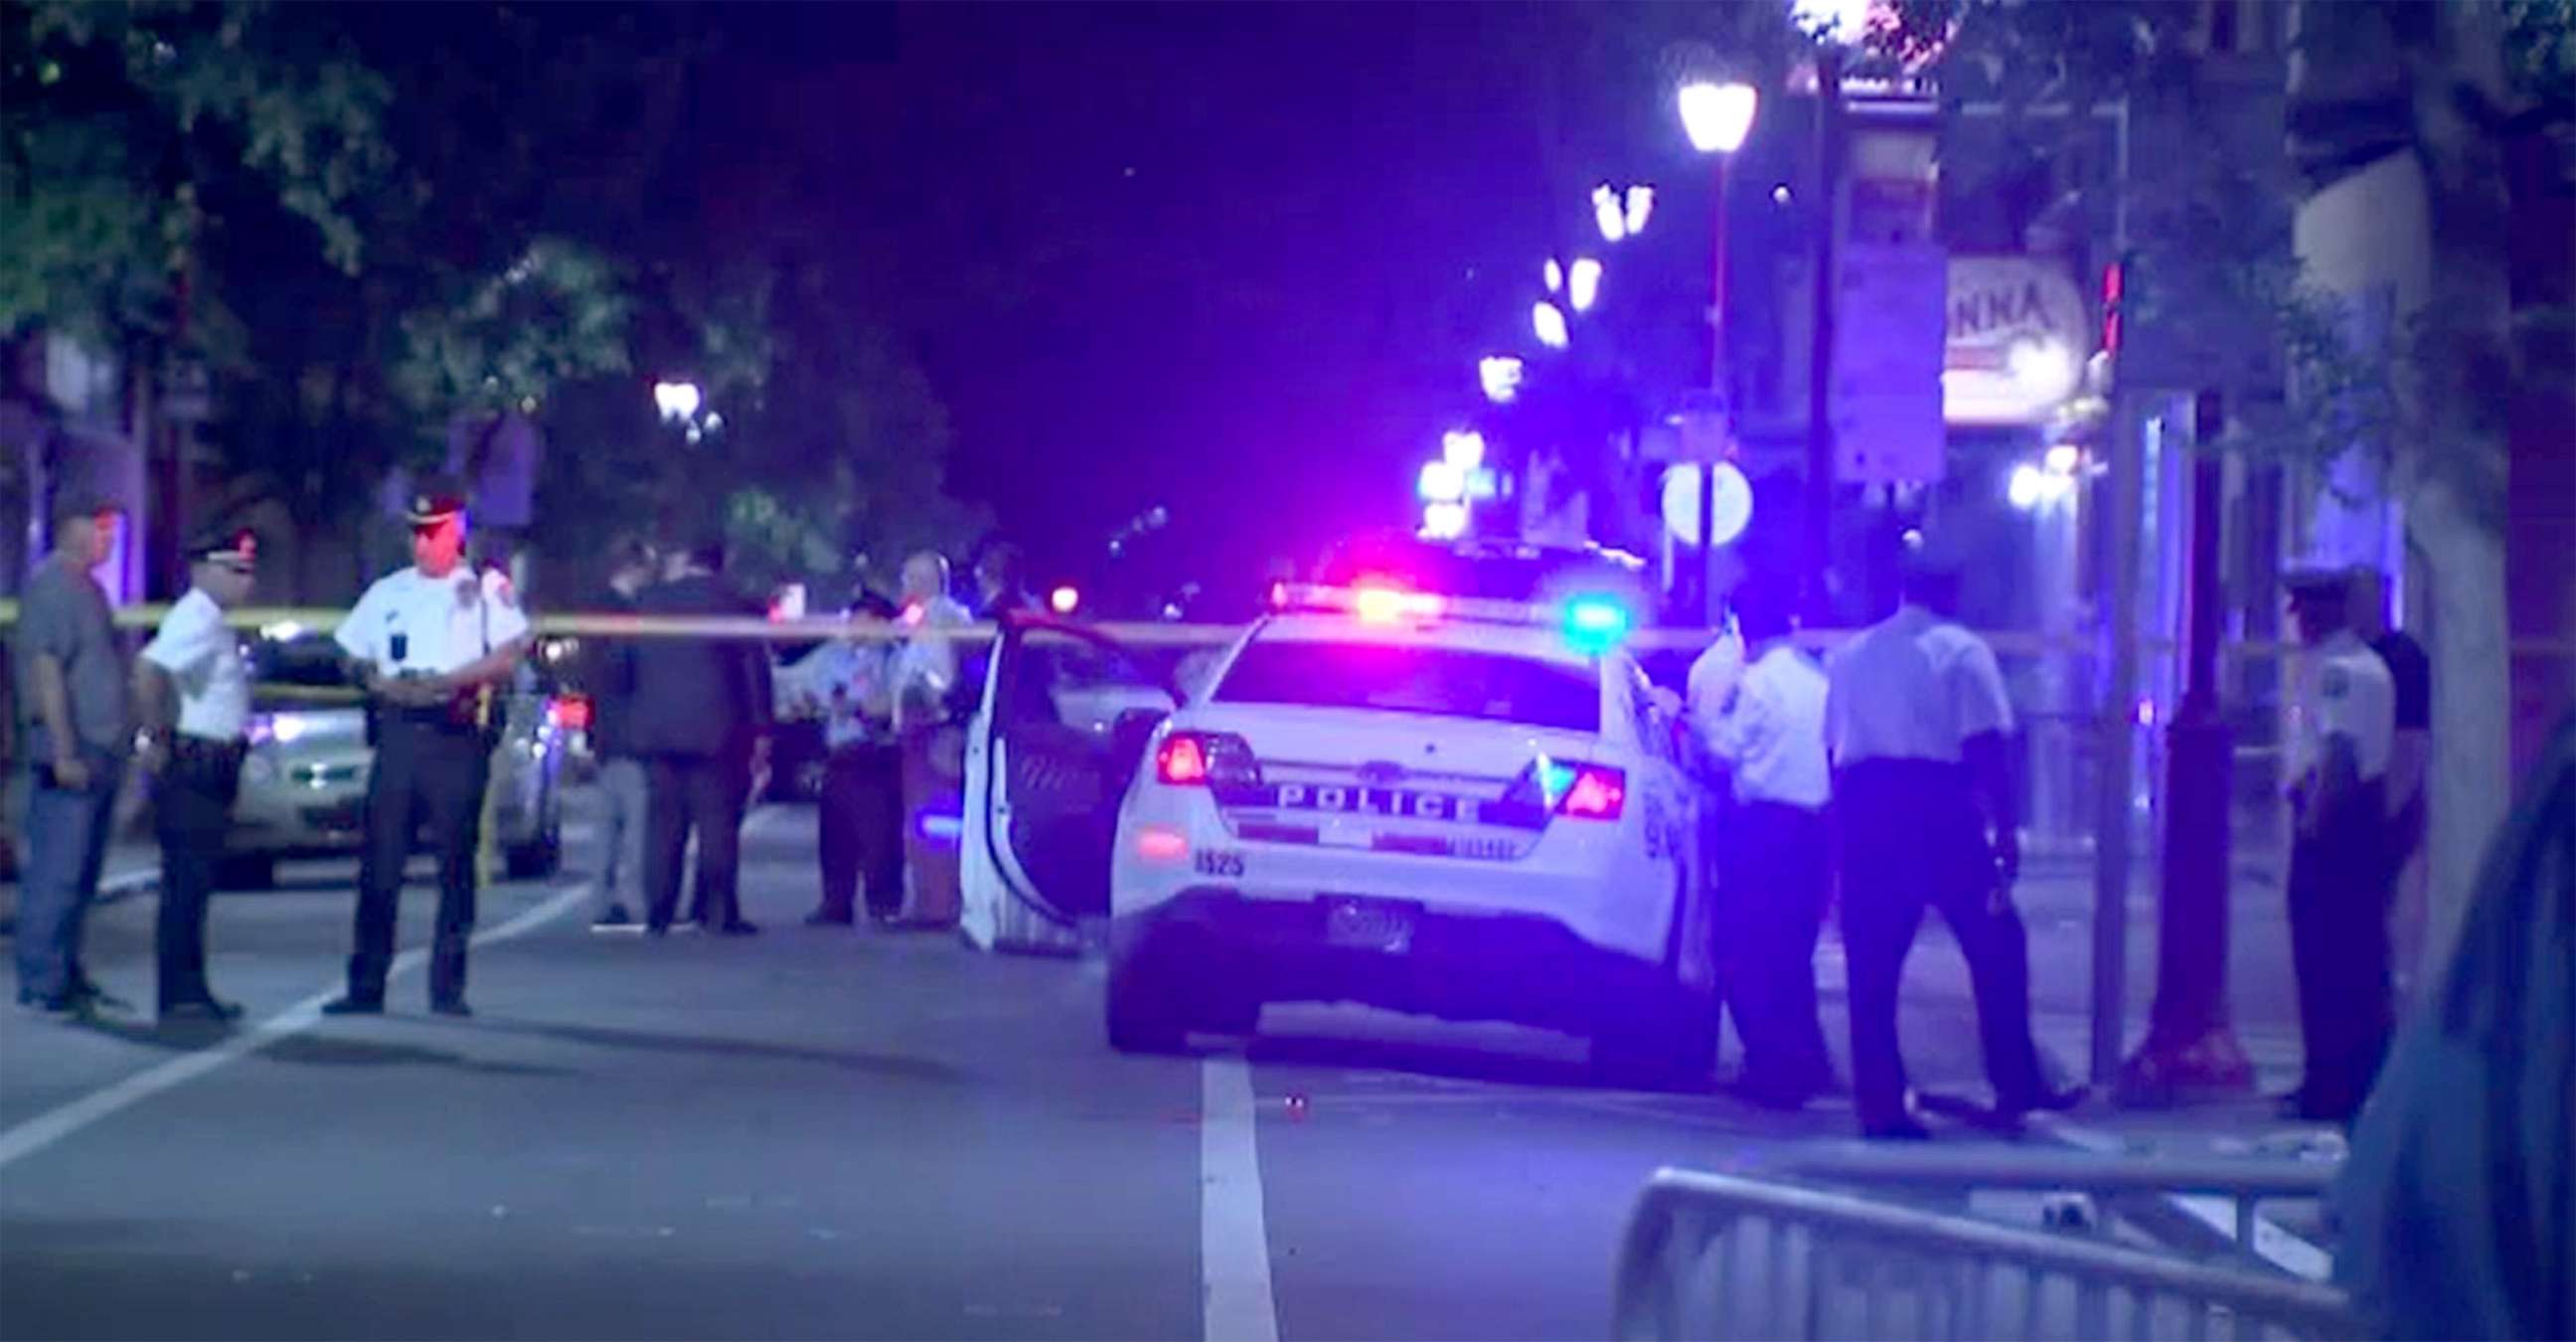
1234	1238
45	1129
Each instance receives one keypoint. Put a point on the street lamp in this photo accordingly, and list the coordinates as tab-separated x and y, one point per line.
1547	320
678	401
1717	118
1500	376
1583	283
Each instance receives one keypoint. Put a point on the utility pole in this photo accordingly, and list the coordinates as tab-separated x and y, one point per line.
2190	1046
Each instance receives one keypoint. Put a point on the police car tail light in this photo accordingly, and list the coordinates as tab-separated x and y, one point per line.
1197	759
1597	793
1183	760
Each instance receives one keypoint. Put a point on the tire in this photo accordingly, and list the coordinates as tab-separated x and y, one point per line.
246	871
1668	1041
1142	1012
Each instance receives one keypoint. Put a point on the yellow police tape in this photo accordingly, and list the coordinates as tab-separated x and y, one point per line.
273	620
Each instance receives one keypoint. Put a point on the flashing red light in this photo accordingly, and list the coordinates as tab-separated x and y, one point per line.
573	712
1182	761
1598	794
1278	596
1156	843
1385	605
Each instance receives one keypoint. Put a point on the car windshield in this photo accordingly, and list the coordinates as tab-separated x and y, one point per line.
1443	682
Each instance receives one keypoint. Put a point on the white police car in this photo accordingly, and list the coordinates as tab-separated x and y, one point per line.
1472	810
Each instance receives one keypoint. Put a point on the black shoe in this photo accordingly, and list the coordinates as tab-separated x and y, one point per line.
95	998
205	1009
354	1006
454	1006
829	918
737	928
65	1007
617	919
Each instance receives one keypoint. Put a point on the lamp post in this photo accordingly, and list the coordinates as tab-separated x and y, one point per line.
1717	117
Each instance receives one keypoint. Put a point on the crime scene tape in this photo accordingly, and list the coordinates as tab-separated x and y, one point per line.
281	621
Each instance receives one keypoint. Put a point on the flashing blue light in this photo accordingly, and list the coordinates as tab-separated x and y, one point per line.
1595	624
938	827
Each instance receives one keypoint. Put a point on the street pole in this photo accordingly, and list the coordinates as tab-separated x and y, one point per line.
2190	1046
1717	383
1820	429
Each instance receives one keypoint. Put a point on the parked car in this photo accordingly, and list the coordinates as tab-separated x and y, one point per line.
304	783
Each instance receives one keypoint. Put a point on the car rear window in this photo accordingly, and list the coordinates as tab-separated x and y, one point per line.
1444	682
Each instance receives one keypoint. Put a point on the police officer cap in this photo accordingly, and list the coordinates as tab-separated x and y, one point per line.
227	545
435	502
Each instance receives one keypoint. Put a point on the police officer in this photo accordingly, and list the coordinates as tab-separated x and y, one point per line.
1776	870
193	694
848	684
2343	719
435	644
1916	721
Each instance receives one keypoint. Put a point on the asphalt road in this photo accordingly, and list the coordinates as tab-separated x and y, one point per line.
821	1134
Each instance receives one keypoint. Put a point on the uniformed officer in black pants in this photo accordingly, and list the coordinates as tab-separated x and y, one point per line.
193	694
1917	722
436	644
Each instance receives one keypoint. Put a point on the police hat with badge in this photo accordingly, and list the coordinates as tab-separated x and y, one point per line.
435	502
233	547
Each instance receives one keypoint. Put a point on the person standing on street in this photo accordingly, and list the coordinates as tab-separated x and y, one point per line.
2410	757
435	645
1917	724
2343	718
927	686
848	684
699	714
193	696
1776	873
72	694
632	566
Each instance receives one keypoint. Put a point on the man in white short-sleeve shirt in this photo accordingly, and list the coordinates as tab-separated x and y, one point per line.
2343	868
436	645
1918	724
193	697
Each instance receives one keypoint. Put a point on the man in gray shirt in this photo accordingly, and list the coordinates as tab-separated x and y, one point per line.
71	694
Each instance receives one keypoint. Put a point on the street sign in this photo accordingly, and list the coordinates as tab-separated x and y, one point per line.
1886	394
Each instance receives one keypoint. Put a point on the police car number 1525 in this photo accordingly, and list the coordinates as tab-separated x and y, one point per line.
1219	862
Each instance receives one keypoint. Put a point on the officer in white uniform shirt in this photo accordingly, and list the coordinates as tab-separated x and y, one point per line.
1775	862
2342	730
436	644
194	698
1917	724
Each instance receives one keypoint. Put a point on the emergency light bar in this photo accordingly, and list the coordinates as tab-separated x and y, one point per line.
1592	623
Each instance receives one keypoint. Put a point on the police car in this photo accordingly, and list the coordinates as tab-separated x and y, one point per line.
1463	808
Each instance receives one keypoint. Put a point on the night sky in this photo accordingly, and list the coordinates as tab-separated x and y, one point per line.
1234	259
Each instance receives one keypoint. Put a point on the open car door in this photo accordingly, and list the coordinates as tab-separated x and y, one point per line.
1065	719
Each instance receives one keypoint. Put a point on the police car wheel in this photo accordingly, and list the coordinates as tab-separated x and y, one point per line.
1666	1041
1144	1013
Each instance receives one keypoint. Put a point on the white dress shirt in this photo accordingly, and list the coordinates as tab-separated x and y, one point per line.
1714	674
843	683
441	624
2342	689
926	665
1914	686
203	657
1773	732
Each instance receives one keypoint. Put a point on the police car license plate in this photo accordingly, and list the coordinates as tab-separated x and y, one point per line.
1368	924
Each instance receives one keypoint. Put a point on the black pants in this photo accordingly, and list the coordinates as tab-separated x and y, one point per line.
1775	875
192	806
706	794
2342	881
428	772
862	830
1911	838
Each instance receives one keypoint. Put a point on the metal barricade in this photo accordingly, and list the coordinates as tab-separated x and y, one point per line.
2224	1193
1724	1256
